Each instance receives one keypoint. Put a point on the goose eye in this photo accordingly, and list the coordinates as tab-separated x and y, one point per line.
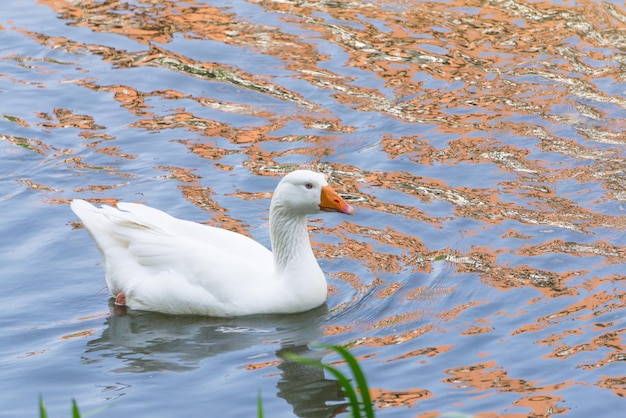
308	185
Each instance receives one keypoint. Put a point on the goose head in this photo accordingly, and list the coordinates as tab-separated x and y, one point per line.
304	192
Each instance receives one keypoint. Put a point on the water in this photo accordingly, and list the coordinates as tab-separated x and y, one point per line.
481	143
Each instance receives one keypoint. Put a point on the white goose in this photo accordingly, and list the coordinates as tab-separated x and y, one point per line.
156	262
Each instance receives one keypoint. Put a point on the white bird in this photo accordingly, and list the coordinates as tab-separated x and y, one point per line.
155	262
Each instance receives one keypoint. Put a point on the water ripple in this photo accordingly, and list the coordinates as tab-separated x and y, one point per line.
481	143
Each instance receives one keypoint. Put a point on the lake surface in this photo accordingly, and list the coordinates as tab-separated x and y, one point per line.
482	144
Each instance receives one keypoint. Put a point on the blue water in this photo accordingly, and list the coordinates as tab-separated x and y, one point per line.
481	145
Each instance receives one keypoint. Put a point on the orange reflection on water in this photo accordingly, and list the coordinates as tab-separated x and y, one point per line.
391	399
484	377
509	91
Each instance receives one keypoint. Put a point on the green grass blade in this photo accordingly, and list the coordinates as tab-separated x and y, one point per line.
357	372
42	408
347	387
75	411
259	405
341	378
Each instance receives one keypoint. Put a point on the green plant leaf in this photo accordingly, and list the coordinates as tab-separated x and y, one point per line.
75	411
341	378
259	405
357	372
42	408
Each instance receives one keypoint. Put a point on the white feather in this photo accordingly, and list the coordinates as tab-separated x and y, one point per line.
161	263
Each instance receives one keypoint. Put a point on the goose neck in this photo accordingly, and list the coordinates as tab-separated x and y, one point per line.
289	237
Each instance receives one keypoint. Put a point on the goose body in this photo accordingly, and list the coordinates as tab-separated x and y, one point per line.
156	262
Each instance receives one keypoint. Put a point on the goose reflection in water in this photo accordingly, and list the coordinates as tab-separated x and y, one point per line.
147	342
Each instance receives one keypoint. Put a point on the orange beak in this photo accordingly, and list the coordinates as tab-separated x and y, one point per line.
330	201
